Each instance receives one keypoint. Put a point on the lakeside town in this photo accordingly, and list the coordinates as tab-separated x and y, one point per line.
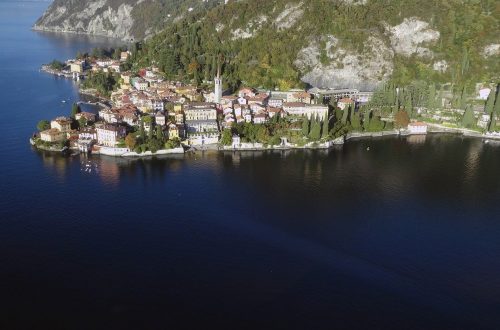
142	114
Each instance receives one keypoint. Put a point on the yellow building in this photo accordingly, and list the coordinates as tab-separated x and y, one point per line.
76	66
177	107
52	135
126	78
63	124
173	131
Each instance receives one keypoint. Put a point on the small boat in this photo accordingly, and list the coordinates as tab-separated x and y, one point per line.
63	101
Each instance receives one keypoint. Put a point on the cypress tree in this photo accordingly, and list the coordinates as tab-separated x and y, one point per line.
468	118
462	99
431	103
496	108
490	103
74	110
142	132
493	122
356	121
408	105
325	130
150	132
315	133
159	133
345	115
305	126
366	119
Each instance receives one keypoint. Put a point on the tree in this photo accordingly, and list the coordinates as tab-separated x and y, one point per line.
117	54
159	134
57	65
131	141
408	105
82	122
356	121
376	125
226	138
463	98
366	119
305	126
493	123
74	110
490	103
173	143
401	119
43	125
345	115
315	133
142	132
326	128
496	108
431	102
150	132
468	117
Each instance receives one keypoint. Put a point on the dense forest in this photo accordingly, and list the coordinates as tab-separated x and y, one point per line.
257	42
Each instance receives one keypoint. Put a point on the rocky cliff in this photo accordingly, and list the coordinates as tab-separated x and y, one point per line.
124	19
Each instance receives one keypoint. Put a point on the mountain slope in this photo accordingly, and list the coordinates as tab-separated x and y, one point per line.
125	19
335	43
290	43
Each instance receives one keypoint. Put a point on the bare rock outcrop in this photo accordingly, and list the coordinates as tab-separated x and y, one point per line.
346	68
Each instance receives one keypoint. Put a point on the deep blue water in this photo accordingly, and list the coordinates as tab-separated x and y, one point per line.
403	236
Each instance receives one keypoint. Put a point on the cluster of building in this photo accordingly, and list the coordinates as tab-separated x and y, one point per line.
193	115
79	66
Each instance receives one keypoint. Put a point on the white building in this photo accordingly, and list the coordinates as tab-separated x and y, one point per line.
417	128
200	111
141	85
109	135
109	116
484	93
308	110
345	103
201	126
160	119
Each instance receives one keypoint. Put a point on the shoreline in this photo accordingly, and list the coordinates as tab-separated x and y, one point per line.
125	153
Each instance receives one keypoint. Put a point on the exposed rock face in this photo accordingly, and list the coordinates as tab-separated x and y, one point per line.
366	70
491	50
93	17
408	37
251	28
124	19
440	66
289	17
346	68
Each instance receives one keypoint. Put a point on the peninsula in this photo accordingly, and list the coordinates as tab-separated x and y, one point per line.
146	114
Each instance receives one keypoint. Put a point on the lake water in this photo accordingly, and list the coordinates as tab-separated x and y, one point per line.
405	235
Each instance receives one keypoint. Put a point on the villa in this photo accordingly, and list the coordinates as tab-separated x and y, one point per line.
109	135
62	124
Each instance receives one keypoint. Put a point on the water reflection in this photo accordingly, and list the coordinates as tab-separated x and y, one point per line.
387	166
416	139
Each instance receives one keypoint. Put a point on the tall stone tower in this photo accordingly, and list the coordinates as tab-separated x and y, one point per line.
218	87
